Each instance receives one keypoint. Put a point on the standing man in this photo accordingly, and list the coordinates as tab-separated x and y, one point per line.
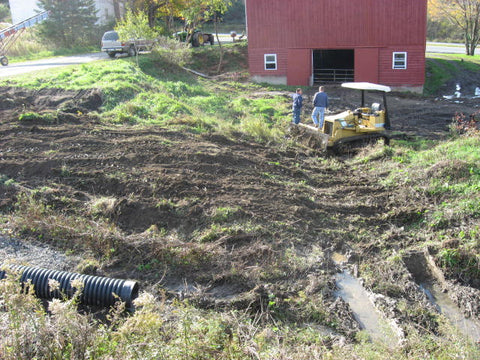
320	104
297	106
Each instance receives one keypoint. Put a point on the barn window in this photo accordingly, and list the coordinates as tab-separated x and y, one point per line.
399	60
270	61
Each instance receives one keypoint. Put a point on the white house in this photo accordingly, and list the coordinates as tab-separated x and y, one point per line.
107	9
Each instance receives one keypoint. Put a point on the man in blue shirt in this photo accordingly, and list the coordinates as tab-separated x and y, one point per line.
320	104
297	106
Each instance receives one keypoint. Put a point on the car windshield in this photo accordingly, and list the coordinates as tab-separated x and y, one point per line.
111	35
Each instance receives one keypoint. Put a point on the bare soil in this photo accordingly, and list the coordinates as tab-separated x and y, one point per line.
173	182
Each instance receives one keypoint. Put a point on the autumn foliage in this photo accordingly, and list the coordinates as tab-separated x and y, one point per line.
464	14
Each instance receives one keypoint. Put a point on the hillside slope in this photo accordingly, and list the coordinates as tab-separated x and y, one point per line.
195	188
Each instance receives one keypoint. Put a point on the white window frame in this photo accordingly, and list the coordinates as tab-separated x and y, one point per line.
399	64
270	62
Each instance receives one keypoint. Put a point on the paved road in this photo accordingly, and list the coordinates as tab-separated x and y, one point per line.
29	66
445	48
36	65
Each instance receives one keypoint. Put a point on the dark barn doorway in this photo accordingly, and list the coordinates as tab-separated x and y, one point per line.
333	66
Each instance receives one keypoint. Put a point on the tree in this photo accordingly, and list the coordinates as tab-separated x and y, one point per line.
194	15
236	12
134	25
71	23
167	9
4	12
463	13
216	9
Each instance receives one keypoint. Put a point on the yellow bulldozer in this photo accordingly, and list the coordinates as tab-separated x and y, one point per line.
352	128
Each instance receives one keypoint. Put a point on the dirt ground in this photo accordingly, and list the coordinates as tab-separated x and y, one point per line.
175	181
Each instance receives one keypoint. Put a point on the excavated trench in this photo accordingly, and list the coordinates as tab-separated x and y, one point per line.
351	290
432	283
429	280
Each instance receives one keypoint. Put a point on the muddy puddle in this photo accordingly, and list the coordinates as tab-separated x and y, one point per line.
368	317
430	280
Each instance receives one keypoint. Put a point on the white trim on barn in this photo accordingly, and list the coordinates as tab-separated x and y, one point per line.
270	61
399	61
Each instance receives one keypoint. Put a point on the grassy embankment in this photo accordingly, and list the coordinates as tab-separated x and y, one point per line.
159	92
440	68
438	207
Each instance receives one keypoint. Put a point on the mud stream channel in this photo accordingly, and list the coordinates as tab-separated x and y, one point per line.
450	310
357	297
431	281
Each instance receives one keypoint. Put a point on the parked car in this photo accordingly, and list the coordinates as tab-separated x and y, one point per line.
112	45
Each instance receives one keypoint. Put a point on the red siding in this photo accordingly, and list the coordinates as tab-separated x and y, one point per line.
257	65
335	23
388	25
299	67
413	75
366	65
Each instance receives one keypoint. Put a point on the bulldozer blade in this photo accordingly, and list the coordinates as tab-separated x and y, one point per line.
310	136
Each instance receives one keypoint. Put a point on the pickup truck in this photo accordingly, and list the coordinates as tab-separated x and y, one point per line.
112	45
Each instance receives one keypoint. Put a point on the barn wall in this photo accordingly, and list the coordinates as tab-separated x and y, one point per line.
366	65
257	66
299	67
413	75
335	23
368	26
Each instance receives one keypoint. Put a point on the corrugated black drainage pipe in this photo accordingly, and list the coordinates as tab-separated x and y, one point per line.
97	290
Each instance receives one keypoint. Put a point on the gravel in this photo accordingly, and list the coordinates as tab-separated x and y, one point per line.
14	251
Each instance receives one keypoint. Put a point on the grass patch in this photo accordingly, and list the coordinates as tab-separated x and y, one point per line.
34	217
29	47
33	117
443	183
159	92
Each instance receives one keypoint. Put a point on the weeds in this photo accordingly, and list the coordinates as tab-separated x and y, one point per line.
102	206
6	181
461	125
33	217
224	214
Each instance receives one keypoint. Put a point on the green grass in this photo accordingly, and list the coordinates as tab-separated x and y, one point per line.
448	168
456	57
45	54
446	177
159	92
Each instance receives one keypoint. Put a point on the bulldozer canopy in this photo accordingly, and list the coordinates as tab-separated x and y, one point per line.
366	86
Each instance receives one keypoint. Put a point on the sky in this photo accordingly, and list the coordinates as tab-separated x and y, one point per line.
22	9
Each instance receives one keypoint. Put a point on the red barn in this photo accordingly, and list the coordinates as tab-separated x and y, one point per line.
306	42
